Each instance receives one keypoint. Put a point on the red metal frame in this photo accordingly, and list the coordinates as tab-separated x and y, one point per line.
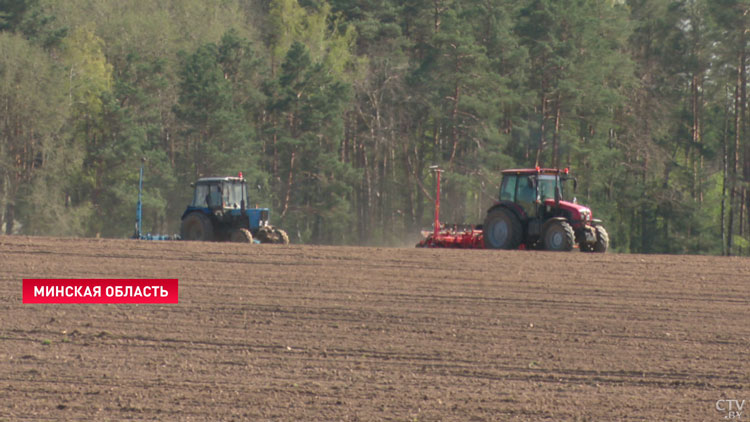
444	236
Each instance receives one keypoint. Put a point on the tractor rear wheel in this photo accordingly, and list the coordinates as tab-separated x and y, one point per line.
559	236
602	240
197	226
502	230
241	236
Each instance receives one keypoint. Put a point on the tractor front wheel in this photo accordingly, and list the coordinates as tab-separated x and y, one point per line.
197	226
559	236
270	234
241	236
502	230
602	240
281	237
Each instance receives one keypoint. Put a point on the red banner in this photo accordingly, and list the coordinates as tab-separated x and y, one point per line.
96	290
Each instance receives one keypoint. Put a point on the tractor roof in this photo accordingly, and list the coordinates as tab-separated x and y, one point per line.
536	171
219	179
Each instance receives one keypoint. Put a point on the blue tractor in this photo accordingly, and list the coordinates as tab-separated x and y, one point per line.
219	212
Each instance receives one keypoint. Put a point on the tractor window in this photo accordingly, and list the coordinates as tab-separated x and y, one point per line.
547	184
508	188
525	191
214	197
199	200
526	194
233	195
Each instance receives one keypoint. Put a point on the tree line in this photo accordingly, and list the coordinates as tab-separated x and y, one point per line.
335	110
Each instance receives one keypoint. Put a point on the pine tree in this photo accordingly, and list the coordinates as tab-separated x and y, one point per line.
307	103
214	111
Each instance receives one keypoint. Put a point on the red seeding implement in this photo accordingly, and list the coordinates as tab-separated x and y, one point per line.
530	214
444	236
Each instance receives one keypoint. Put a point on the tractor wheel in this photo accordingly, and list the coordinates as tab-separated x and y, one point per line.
602	240
241	236
502	230
559	236
197	226
264	235
280	237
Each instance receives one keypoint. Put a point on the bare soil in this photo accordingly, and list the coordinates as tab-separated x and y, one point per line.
306	333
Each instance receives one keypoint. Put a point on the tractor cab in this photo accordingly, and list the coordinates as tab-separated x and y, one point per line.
219	211
224	193
534	191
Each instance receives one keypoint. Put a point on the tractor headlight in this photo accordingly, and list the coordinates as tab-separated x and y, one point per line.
586	214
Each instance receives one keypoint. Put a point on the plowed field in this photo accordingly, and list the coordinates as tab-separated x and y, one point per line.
304	333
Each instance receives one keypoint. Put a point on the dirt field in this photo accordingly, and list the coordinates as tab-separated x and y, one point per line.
302	333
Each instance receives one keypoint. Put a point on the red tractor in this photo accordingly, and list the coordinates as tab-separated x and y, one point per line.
532	212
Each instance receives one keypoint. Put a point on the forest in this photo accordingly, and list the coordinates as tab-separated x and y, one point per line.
335	110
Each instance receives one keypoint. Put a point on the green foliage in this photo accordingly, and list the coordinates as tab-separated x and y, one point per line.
307	104
335	111
30	18
34	112
90	75
214	107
